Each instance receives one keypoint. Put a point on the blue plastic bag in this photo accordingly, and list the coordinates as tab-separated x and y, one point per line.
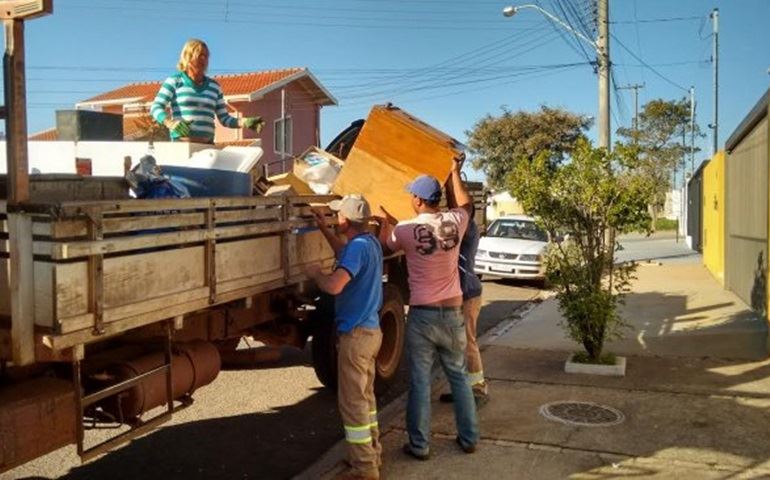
147	181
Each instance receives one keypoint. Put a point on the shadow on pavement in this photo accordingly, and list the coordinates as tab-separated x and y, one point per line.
277	443
669	326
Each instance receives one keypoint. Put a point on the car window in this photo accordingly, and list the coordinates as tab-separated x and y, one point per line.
517	229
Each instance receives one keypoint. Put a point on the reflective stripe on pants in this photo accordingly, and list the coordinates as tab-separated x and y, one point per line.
358	434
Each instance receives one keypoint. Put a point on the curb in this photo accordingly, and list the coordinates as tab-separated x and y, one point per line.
332	461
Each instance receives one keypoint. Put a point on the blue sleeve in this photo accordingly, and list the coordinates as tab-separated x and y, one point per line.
352	258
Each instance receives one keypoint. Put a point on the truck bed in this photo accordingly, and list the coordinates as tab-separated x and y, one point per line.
104	267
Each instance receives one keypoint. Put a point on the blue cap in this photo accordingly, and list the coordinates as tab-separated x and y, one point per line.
425	187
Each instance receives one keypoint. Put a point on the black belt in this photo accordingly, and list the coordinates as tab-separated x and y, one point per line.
437	308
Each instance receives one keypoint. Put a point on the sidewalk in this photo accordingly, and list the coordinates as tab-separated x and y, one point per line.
695	399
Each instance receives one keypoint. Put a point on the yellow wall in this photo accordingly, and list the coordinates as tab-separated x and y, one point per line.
714	216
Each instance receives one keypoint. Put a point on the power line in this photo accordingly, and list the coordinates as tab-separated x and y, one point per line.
658	20
453	62
438	79
475	88
648	66
260	19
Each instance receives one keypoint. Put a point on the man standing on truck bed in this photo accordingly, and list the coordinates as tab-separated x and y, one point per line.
194	100
356	283
435	330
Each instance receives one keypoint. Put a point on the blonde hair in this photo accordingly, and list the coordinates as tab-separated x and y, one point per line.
193	48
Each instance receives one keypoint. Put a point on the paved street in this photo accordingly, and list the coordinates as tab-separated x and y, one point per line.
662	247
266	422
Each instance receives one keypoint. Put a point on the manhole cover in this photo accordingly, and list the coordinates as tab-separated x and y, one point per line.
582	414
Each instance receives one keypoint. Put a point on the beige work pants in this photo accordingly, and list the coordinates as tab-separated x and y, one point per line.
357	351
471	309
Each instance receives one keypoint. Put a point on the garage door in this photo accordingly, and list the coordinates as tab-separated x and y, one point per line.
746	172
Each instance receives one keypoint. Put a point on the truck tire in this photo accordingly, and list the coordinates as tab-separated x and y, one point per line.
324	346
392	323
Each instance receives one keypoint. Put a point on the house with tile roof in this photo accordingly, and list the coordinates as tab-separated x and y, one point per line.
293	92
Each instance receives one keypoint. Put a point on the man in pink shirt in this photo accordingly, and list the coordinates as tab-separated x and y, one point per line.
435	326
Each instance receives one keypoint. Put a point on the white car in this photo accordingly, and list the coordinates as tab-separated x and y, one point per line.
512	248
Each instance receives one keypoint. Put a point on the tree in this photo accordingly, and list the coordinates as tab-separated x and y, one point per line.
593	197
662	139
496	143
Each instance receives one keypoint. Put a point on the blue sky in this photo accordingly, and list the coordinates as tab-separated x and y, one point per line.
448	62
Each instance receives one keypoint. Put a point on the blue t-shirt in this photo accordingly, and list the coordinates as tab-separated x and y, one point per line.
469	282
360	301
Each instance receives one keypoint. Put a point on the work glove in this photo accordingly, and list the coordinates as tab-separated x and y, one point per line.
253	123
180	127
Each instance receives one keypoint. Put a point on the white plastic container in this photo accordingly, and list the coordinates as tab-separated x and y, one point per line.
233	159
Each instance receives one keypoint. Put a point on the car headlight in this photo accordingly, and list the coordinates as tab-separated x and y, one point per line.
481	253
529	258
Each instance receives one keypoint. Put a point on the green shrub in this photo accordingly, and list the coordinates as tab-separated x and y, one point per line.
595	196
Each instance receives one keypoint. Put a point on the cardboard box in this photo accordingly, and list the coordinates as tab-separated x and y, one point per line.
290	179
305	161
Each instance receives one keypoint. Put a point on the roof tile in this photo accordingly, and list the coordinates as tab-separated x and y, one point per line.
234	84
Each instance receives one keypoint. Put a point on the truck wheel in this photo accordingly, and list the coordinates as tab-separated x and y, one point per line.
392	323
324	346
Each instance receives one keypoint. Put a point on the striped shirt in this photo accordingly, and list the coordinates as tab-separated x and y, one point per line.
193	103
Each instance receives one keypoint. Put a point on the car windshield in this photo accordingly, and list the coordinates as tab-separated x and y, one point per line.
520	229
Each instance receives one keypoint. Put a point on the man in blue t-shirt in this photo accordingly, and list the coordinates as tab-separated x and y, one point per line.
356	283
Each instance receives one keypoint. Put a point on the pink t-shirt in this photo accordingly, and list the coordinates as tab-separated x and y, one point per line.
431	243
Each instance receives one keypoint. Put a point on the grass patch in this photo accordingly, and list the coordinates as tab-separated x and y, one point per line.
665	224
582	357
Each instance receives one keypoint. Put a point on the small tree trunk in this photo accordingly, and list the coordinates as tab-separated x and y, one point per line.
654	214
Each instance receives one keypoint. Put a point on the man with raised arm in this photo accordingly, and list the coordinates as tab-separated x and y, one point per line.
435	327
356	283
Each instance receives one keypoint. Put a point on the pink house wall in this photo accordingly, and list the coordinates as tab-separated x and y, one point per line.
303	111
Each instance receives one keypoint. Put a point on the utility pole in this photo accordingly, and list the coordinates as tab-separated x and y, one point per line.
603	59
635	88
715	60
692	129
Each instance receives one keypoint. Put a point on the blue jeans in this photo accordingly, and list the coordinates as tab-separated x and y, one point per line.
431	335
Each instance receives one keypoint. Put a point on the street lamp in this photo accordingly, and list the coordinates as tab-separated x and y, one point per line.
601	46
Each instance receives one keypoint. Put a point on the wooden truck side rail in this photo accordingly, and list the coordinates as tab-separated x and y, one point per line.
104	267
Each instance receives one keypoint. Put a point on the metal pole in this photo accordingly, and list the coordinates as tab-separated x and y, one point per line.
283	130
684	187
603	59
715	60
635	88
636	109
692	129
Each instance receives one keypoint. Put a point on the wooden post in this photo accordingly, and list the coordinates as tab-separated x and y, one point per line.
19	225
96	271
211	251
16	106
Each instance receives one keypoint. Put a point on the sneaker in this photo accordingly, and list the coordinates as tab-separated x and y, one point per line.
446	398
419	456
466	449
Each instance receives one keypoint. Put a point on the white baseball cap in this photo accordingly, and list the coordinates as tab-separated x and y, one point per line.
354	207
